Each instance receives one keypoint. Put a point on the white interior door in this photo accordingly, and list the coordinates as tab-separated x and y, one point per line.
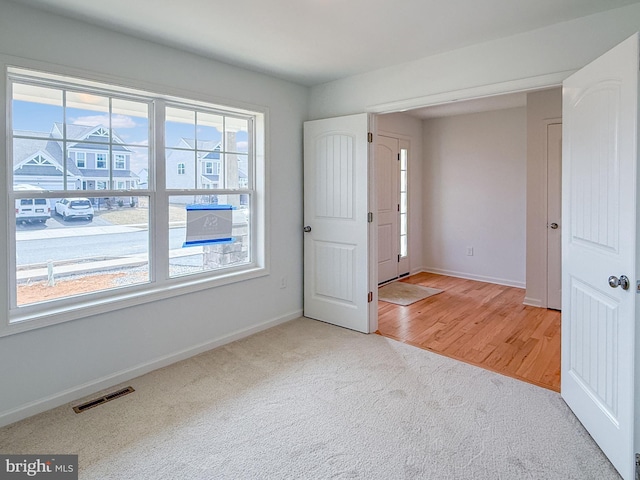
336	238
387	159
600	113
554	216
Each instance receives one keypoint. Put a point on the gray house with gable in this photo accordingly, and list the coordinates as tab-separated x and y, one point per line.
90	165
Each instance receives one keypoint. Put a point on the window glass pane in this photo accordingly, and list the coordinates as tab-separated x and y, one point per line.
130	122
403	159
87	117
37	164
209	130
236	173
403	246
403	181
230	230
181	169
35	110
236	135
403	202
81	245
180	128
210	170
403	224
138	167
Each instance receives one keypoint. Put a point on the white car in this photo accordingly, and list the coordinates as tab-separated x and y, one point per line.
74	208
31	210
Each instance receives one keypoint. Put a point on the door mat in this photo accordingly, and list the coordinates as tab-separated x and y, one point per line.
402	293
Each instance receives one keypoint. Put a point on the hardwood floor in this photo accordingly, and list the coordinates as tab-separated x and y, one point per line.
482	324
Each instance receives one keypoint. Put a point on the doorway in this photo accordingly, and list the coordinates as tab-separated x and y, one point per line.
392	185
483	189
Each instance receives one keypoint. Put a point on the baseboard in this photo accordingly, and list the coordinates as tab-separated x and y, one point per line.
533	302
479	278
89	388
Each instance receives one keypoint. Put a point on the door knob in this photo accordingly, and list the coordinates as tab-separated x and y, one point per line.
554	225
623	281
307	229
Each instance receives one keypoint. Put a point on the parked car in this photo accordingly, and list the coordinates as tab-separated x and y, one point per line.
31	210
74	208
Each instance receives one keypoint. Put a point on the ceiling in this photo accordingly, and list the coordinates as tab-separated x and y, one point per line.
315	41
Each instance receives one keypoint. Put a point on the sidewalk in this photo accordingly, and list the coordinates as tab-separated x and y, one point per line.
72	232
40	272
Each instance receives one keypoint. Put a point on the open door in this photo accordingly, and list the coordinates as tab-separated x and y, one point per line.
600	157
387	159
336	238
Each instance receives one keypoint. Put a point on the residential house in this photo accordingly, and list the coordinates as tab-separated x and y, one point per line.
206	170
38	159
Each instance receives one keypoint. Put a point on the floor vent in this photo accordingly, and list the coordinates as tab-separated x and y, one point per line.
106	398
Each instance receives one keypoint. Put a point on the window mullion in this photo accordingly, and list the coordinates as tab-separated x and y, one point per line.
159	200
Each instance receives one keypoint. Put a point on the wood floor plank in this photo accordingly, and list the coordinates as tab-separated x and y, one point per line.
479	323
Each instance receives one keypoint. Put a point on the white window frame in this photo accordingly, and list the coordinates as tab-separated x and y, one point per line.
83	159
208	167
182	170
104	156
29	317
119	157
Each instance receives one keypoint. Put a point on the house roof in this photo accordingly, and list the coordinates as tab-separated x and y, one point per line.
25	148
28	147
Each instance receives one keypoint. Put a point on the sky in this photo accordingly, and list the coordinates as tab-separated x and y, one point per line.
128	119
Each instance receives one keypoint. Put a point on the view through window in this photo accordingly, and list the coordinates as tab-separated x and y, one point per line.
94	188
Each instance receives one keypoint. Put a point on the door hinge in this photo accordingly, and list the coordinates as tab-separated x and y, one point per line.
370	137
637	466
398	157
370	297
638	290
370	217
398	258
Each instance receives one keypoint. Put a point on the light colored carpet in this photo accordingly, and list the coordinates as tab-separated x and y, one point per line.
307	400
402	293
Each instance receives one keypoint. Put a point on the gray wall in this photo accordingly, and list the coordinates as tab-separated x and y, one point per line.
474	195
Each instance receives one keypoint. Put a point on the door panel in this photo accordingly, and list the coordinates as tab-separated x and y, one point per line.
336	260
600	112
387	193
554	216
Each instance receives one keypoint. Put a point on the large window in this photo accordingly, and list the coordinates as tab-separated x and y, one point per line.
84	236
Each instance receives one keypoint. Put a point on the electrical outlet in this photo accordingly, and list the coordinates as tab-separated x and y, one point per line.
470	251
283	282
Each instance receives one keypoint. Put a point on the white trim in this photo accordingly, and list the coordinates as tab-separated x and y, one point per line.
533	302
479	278
513	86
30	317
52	161
105	161
74	393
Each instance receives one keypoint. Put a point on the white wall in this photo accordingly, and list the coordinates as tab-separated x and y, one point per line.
49	366
534	59
474	182
409	128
